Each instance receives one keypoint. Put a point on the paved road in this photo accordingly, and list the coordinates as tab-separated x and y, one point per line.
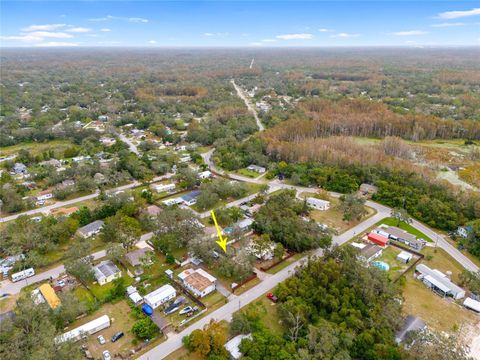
236	302
241	95
59	204
132	147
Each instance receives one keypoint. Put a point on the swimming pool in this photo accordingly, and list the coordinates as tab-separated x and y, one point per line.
381	265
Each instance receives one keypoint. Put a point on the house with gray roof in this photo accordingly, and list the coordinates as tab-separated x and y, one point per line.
91	229
106	272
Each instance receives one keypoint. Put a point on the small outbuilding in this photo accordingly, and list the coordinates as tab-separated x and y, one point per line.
404	257
472	304
377	239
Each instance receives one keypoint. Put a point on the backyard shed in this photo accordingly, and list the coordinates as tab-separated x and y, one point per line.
377	239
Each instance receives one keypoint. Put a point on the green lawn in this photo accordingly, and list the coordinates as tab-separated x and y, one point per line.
285	263
404	226
35	148
248	173
102	291
268	313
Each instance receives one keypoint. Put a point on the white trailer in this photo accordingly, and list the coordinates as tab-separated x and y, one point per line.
83	331
23	274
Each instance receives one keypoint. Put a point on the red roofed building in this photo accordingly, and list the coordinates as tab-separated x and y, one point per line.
377	239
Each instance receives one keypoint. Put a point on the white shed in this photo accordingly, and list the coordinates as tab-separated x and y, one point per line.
404	257
471	304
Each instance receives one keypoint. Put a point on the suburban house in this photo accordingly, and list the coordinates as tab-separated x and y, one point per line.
233	345
411	323
185	158
64	211
91	229
67	183
89	328
402	236
204	175
135	257
198	281
106	272
318	204
190	198
464	231
44	195
174	201
244	224
20	169
52	162
160	296
370	252
50	296
163	187
256	168
438	282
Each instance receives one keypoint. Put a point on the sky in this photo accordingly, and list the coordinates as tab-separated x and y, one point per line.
37	23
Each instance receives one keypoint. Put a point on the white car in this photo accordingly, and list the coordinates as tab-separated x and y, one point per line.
106	355
186	310
61	283
101	339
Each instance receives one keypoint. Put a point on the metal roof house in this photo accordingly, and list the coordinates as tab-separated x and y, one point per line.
402	236
135	257
190	198
256	168
438	282
198	281
89	328
160	296
106	272
91	229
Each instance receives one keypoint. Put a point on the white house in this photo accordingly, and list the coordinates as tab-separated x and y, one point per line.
198	281
91	229
174	201
318	204
44	195
89	328
190	198
204	175
438	282
256	168
160	296
185	158
163	187
106	272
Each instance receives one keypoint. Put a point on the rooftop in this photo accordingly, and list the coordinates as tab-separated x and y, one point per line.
92	227
105	269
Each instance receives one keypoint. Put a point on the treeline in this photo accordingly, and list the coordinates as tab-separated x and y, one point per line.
434	203
332	308
368	119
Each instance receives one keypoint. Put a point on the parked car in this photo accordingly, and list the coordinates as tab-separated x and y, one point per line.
106	355
272	297
186	310
171	309
101	339
117	336
61	283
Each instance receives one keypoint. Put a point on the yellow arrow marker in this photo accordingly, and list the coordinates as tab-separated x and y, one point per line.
222	242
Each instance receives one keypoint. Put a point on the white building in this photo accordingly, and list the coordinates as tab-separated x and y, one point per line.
174	201
404	257
233	345
44	195
160	296
318	204
438	282
134	295
471	304
198	281
163	187
204	175
91	229
256	168
185	158
89	328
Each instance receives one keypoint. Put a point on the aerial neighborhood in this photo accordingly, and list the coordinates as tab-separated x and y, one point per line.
221	203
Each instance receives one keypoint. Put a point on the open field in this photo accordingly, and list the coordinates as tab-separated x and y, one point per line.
437	258
35	148
268	313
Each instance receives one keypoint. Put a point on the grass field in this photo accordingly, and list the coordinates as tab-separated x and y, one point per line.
285	263
268	313
407	227
35	148
248	173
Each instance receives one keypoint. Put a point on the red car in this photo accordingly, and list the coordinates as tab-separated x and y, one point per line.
272	297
